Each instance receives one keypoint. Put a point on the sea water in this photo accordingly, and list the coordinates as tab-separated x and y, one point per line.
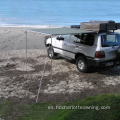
57	12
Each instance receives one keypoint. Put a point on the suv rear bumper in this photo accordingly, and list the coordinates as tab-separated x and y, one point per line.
98	63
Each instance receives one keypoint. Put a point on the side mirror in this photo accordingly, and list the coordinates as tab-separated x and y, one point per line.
60	38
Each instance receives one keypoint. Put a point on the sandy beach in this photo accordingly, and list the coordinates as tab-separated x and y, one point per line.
20	82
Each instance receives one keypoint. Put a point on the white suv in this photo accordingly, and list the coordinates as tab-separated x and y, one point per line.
99	49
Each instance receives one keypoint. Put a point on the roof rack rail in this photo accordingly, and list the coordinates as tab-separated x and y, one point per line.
75	26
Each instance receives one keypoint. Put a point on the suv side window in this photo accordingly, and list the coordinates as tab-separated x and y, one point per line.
66	37
75	38
87	39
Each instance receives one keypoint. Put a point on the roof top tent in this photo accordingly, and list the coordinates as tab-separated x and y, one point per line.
51	32
98	26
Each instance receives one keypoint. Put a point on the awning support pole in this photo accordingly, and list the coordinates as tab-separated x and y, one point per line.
51	59
26	50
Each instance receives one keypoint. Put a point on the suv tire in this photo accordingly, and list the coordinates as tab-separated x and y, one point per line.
81	64
118	54
51	53
45	42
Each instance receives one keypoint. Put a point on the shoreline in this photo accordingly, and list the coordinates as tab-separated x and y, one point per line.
32	26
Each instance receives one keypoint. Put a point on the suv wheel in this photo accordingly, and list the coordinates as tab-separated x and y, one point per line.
118	54
45	42
51	53
81	64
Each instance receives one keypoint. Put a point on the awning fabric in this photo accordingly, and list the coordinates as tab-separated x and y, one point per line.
61	31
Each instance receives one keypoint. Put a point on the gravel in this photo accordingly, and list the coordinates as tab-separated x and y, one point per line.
20	78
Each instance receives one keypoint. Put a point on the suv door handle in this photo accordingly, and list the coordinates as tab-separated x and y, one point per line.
76	46
65	44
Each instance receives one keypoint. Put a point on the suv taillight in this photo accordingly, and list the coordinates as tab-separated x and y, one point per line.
99	54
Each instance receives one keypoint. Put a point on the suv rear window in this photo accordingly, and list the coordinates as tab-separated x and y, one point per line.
110	40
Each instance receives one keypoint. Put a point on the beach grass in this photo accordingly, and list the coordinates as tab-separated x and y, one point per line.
15	111
102	107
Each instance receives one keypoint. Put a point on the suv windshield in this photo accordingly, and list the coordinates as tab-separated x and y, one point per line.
110	40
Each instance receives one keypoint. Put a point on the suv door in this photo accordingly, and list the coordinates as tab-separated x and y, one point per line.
61	44
72	45
82	43
88	45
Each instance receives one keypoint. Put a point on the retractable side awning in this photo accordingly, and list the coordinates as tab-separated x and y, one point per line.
60	31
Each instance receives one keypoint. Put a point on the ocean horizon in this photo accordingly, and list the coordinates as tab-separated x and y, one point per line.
56	13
